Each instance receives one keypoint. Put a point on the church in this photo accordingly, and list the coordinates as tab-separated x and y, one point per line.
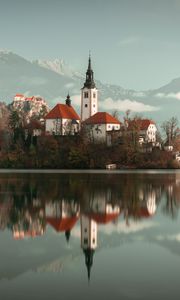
64	120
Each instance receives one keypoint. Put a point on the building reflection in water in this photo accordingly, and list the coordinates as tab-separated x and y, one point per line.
62	215
28	209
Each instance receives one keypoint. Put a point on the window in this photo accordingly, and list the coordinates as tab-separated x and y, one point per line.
86	105
85	94
93	241
94	105
94	95
85	229
85	241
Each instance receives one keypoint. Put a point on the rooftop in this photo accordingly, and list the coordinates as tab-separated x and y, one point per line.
62	111
102	118
141	124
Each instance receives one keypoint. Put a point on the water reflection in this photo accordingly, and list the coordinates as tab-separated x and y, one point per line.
30	204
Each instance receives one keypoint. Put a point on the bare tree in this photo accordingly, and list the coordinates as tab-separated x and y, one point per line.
115	114
170	129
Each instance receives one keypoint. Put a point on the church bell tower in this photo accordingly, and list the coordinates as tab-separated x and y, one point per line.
89	95
88	240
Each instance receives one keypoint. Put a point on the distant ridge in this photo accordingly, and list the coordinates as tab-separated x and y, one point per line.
54	79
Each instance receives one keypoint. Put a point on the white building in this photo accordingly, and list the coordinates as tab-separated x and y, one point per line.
62	120
20	100
99	125
30	224
145	128
101	210
88	240
89	95
147	207
88	233
62	215
19	97
30	106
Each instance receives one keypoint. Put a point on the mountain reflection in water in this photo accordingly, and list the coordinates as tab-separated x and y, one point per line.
31	203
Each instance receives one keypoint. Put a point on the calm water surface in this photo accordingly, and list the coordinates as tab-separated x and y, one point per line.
90	236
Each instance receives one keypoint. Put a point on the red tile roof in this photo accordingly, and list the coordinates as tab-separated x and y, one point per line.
141	124
60	224
102	118
29	98
62	111
19	95
103	218
141	213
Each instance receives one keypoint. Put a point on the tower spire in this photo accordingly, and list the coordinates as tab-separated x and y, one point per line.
89	261
89	65
89	83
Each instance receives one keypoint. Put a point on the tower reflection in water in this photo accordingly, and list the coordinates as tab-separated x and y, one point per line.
27	209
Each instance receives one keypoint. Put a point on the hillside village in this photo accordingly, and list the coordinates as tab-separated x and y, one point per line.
33	135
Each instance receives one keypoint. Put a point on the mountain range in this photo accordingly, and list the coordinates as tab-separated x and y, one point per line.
54	79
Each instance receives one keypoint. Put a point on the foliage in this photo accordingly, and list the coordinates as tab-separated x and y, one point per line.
19	148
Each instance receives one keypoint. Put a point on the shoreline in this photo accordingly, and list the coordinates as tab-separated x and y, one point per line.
89	171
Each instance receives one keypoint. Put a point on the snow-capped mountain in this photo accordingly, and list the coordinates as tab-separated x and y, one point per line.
57	65
54	79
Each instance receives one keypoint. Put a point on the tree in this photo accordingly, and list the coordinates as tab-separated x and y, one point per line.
115	114
170	129
131	131
16	122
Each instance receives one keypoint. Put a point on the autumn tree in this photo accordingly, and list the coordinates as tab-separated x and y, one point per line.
170	129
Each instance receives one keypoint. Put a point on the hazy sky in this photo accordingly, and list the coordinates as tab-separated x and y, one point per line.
134	43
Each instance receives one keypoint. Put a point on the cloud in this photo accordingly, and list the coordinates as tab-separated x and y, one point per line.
76	100
69	85
33	80
76	232
175	237
168	95
57	100
110	104
124	105
129	41
139	94
121	227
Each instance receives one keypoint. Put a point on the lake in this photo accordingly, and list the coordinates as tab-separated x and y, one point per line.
91	235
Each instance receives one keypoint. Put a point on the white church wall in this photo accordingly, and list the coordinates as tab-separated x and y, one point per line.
88	233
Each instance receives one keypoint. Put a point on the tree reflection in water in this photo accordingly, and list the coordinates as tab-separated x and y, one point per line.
32	202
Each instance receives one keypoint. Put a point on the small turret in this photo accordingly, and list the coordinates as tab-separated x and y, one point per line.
67	235
68	100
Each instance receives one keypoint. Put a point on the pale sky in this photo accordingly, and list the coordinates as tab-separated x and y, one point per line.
134	43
